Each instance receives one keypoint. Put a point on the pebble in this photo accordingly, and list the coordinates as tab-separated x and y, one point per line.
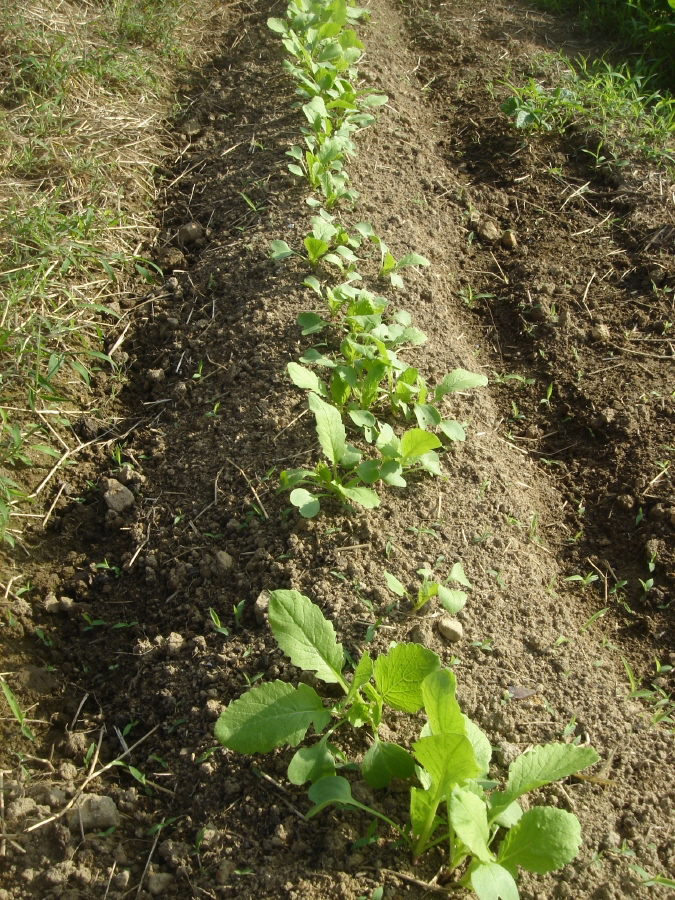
451	629
96	811
625	501
174	644
600	332
118	497
51	604
261	606
190	232
488	231
224	871
224	560
213	709
170	258
159	883
509	240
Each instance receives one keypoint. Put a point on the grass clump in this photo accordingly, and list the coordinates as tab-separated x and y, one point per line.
83	89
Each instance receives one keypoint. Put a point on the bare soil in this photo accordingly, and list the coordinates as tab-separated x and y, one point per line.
115	643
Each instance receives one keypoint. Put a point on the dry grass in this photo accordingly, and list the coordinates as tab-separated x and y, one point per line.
86	89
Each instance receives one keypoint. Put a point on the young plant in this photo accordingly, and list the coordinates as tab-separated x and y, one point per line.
452	600
327	480
486	831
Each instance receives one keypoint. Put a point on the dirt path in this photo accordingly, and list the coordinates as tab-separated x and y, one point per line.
550	483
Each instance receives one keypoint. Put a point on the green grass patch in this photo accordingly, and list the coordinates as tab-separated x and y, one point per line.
85	87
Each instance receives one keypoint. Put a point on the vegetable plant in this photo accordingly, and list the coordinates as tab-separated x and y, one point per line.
451	599
487	834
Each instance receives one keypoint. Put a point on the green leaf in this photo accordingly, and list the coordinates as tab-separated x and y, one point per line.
308	505
280	250
468	816
369	471
543	765
452	430
277	25
329	428
306	379
510	816
362	675
311	323
451	600
390	473
385	761
315	248
545	838
311	763
421	802
394	584
459	380
412	259
362	496
400	674
270	715
448	758
331	789
440	704
457	574
416	442
482	749
362	418
16	710
305	636
491	881
427	415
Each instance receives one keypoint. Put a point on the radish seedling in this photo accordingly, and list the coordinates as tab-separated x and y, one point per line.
485	830
451	600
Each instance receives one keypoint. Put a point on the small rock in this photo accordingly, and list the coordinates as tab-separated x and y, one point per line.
261	606
213	709
170	258
224	871
451	629
509	240
96	811
174	852
420	634
209	837
180	390
56	797
155	376
174	643
658	512
600	332
68	771
51	604
192	128
224	560
625	501
118	497
121	880
488	231
159	883
190	232
507	753
66	604
19	809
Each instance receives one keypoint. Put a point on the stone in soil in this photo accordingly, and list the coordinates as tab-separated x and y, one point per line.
118	497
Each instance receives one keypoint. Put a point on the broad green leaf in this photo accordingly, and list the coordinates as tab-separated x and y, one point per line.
390	473
440	704
308	505
318	359
459	380
305	636
331	789
385	761
311	763
315	248
311	323
429	462
280	250
362	675
270	715
369	471
350	458
448	758
482	749
277	25
362	496
416	442
468	816
510	816
306	379
457	574
312	282
329	428
412	259
543	765
359	714
362	418
451	600
545	838
491	881
426	415
421	802
400	674
394	584
295	170
452	430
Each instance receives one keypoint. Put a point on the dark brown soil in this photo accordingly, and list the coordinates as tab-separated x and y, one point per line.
114	641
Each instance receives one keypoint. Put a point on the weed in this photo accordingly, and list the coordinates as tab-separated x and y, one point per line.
16	710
